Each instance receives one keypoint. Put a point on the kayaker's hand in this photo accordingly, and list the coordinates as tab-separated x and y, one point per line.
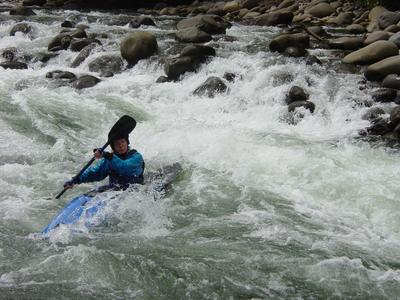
107	155
97	153
69	184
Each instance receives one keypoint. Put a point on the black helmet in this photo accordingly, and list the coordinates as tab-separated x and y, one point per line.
118	138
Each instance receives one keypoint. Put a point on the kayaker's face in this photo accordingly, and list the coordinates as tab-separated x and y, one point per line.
121	146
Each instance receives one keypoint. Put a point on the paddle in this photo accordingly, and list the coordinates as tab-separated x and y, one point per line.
122	128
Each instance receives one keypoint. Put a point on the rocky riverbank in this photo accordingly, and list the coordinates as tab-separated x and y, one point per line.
367	39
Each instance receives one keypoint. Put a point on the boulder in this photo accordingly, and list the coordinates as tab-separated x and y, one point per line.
391	81
198	51
44	56
85	52
20	27
356	28
137	46
33	2
231	6
362	18
208	23
384	95
142	20
306	104
274	18
9	53
379	127
175	67
318	30
106	65
68	24
395	115
249	4
372	53
286	3
78	33
395	38
373	113
162	79
345	18
22	11
86	81
380	69
16	65
347	43
212	86
320	10
230	77
312	59
375	13
59	42
292	51
388	18
299	40
78	45
58	74
376	36
192	35
392	28
296	93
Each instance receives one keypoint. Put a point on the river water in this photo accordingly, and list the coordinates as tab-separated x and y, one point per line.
264	209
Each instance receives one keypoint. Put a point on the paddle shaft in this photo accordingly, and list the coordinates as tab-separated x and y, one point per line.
83	169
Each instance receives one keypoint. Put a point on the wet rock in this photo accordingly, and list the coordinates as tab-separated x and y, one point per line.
68	24
372	53
44	56
231	6
215	11
375	13
391	81
379	70
395	38
106	65
388	18
60	42
9	53
33	2
192	35
199	51
297	104
138	45
296	93
347	43
356	29
395	116
274	18
312	59
286	3
175	67
212	86
298	40
20	27
230	77
380	127
376	36
85	52
139	21
22	11
78	33
373	113
295	52
16	65
58	74
345	18
318	30
86	81
208	23
78	45
249	4
393	28
320	10
384	95
162	79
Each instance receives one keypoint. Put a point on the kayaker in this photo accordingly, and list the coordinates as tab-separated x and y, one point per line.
123	166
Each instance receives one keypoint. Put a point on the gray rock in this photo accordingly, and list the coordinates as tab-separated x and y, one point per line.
16	65
106	65
379	70
198	51
295	52
249	4
373	113
384	95
78	33
345	18
356	28
388	18
9	53
395	38
312	59
68	24
85	52
296	93
306	104
22	11
395	115
44	56
78	45
372	53
58	74
212	86
379	127
192	35
138	45
230	77
162	79
59	42
299	40
393	28
142	20
86	81
347	43
376	36
317	30
176	67
274	18
391	81
208	23
320	10
20	27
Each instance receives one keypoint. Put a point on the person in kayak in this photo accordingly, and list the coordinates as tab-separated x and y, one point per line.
123	166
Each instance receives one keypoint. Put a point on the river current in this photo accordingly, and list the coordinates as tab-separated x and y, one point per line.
265	208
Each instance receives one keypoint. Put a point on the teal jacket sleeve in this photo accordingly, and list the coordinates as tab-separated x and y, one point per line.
95	173
133	166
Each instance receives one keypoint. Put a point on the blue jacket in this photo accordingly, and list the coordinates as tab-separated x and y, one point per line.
121	169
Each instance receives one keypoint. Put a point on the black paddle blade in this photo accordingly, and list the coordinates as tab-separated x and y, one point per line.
122	128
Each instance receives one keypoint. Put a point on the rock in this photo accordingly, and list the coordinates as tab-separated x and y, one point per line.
33	2
392	28
9	53
85	52
231	6
198	51
286	3
356	29
347	43
59	42
391	81
320	10
376	36
372	53
212	86
58	74
22	11
139	21
373	113
86	81
249	4
192	35
16	65
78	45
345	18
215	11
296	93
379	70
363	17
312	59
395	38
375	13
294	52
20	27
379	127
388	18
274	18
106	65
299	40
162	79
175	67
138	45
67	24
44	56
384	95
207	23
78	33
318	30
306	104
230	77
395	115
